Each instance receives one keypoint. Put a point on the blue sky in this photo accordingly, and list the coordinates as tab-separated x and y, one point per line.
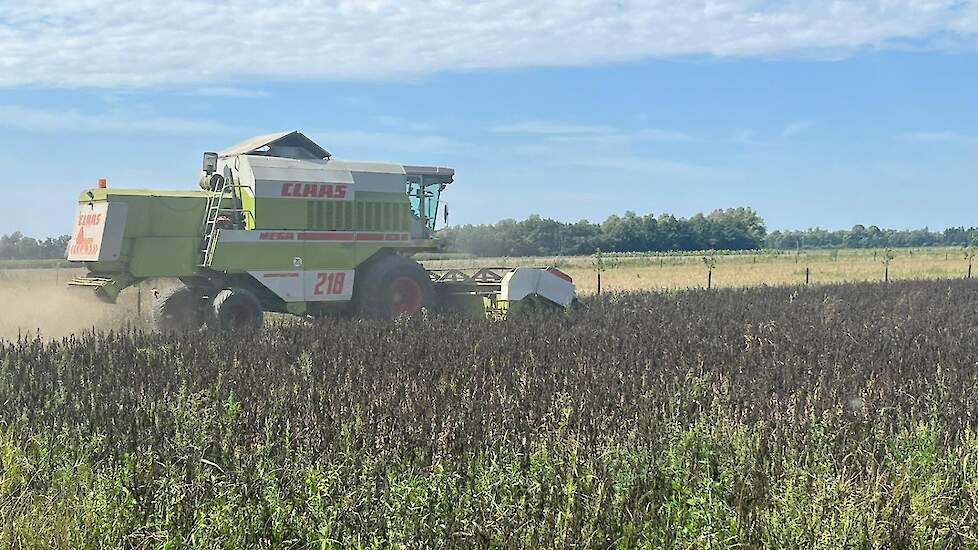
830	115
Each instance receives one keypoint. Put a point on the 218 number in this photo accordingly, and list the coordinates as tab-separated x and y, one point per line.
329	283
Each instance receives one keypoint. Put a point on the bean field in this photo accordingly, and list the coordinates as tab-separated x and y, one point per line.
787	417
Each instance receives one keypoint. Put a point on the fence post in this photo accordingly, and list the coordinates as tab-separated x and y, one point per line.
808	274
709	279
599	282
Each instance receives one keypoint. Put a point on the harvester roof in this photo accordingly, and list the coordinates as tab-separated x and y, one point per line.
281	150
292	145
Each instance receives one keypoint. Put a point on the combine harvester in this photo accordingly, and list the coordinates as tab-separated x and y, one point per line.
280	226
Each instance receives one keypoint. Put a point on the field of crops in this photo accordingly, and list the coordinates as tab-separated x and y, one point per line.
738	269
34	299
818	417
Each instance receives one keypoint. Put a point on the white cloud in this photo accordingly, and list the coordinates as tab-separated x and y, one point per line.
347	144
794	128
113	122
746	136
229	91
547	127
588	134
99	43
402	124
942	136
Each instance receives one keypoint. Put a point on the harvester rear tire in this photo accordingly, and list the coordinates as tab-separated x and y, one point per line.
237	309
178	310
390	287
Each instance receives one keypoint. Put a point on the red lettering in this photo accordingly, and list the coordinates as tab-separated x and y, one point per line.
337	285
275	236
314	190
89	219
322	279
329	283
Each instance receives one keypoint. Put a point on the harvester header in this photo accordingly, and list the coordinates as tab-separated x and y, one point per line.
279	225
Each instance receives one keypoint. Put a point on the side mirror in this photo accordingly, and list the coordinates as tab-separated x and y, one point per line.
210	163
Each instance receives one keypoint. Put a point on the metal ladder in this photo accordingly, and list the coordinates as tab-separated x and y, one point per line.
210	227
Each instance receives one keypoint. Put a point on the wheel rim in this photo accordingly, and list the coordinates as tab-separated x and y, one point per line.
405	296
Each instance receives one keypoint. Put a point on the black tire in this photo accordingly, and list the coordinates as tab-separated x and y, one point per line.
237	309
178	310
391	286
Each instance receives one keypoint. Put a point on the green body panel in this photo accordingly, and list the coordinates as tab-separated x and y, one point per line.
368	212
162	232
248	204
164	256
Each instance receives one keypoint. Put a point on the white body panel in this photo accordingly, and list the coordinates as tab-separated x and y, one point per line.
329	285
98	231
287	285
528	281
314	285
271	177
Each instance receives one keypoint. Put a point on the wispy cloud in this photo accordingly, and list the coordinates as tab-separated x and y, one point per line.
101	43
746	136
794	128
589	134
401	123
356	143
33	120
550	128
943	136
229	91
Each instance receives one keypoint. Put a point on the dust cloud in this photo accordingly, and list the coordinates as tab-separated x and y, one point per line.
38	302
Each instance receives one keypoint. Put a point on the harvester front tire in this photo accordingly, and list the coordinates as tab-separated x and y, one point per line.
177	310
393	286
237	309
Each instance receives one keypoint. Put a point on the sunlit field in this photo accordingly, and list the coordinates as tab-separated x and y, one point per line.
36	298
673	271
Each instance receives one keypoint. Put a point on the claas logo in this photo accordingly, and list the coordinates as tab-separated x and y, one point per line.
82	245
314	190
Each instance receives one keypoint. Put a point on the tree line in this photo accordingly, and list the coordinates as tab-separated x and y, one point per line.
17	246
871	237
725	229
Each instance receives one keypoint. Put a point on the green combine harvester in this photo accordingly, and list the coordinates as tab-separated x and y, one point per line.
280	226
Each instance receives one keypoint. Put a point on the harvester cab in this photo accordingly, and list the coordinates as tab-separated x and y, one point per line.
279	225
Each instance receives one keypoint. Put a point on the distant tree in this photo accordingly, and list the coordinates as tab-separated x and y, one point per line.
735	228
723	229
16	246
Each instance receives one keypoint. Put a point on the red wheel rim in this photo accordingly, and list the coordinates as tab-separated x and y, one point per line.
405	296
